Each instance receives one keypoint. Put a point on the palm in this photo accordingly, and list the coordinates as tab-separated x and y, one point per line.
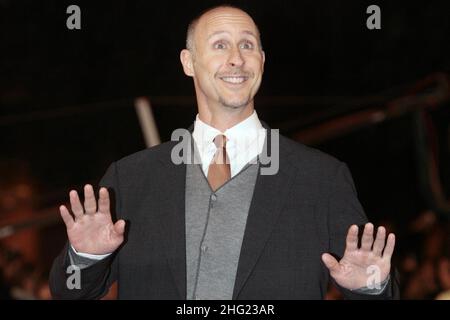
364	266
92	231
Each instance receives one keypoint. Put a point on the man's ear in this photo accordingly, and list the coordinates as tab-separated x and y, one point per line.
263	59
186	61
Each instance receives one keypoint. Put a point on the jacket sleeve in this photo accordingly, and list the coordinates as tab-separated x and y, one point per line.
68	281
344	209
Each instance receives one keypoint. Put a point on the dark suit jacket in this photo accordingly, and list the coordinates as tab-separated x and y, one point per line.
296	215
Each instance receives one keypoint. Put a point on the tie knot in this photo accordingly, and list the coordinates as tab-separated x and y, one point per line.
220	141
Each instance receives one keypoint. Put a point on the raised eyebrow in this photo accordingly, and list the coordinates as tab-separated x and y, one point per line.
250	33
217	33
246	32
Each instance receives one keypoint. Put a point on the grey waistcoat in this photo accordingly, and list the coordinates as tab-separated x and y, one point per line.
215	225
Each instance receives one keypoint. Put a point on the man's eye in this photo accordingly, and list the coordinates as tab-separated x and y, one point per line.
219	45
247	45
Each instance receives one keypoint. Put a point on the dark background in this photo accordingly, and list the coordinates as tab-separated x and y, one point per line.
131	48
66	96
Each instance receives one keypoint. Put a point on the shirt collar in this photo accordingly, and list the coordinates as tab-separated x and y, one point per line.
246	130
245	141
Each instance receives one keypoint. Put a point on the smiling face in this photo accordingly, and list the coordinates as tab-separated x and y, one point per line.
226	60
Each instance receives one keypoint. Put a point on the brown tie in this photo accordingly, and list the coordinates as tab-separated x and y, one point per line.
219	170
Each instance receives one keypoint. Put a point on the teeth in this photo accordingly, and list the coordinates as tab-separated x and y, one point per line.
234	79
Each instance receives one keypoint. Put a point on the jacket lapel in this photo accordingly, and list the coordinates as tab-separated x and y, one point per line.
268	199
172	218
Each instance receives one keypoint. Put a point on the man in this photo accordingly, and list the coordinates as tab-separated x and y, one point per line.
221	229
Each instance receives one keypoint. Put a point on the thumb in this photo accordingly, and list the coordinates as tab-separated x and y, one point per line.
330	262
119	227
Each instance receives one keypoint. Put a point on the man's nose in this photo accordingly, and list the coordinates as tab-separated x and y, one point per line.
236	59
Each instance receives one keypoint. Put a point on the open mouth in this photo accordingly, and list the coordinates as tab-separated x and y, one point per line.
234	79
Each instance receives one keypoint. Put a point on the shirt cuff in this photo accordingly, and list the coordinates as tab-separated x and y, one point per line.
90	256
374	291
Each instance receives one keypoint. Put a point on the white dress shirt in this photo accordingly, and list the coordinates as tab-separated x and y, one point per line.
245	141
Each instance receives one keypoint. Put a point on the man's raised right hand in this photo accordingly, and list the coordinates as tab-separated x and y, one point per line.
90	230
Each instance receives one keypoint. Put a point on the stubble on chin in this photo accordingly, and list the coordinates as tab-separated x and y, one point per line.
234	104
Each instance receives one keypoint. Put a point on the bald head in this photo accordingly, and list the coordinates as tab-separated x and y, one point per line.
225	59
224	11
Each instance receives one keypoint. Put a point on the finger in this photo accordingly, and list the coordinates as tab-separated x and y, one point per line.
75	204
389	249
330	262
119	227
66	216
103	201
380	239
367	237
352	238
90	204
